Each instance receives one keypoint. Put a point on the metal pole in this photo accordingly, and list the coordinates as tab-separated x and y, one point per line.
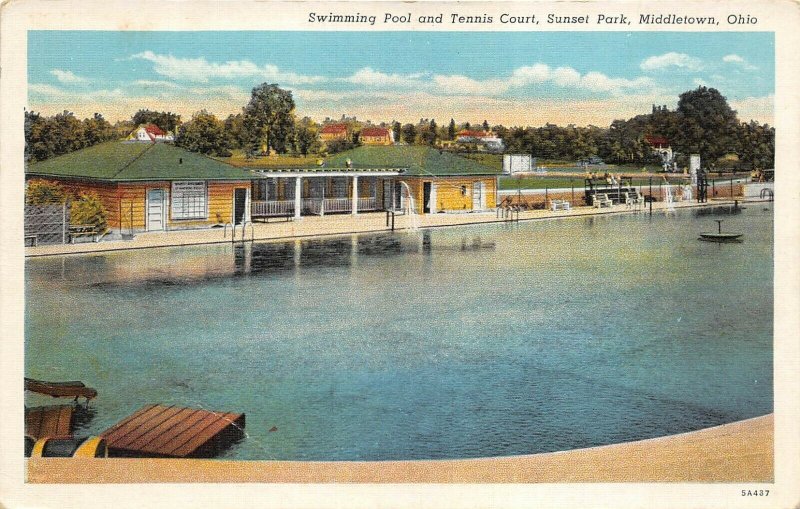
731	187
713	187
650	195
545	197
572	184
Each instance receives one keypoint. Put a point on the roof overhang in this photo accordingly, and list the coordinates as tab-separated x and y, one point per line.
328	172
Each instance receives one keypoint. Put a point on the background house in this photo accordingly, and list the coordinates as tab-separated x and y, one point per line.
377	136
485	140
333	132
150	132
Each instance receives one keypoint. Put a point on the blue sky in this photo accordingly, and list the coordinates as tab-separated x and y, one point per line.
514	78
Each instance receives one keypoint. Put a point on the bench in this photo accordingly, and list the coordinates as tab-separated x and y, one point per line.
264	218
602	200
82	230
632	199
559	205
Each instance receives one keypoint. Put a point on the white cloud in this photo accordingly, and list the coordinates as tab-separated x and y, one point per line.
736	59
201	70
370	77
67	76
671	59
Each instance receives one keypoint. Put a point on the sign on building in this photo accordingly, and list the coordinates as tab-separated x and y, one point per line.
694	167
518	163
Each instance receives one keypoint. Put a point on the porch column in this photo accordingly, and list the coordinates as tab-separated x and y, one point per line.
355	196
298	197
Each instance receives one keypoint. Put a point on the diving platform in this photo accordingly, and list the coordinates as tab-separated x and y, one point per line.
162	431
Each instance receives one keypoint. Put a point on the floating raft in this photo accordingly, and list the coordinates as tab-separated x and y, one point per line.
49	421
173	432
74	389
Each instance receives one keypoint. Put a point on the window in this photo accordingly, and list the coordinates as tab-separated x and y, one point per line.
189	200
463	190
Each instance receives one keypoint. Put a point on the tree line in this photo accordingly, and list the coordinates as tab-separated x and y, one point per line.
703	123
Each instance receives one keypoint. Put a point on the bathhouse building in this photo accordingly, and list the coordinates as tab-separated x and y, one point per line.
439	181
157	186
152	186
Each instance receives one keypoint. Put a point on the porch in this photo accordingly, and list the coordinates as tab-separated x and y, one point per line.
297	195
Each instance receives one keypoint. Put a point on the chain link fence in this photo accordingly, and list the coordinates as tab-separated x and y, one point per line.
46	224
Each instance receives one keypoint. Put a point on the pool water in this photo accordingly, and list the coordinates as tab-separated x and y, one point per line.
474	341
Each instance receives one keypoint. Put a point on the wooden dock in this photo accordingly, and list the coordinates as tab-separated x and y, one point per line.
174	432
49	421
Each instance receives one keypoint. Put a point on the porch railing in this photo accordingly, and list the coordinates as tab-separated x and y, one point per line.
367	204
338	205
272	208
316	206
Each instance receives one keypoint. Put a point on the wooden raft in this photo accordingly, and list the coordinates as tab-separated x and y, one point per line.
49	421
173	432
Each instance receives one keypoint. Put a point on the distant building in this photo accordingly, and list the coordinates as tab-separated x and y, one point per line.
151	133
333	132
485	140
660	146
377	136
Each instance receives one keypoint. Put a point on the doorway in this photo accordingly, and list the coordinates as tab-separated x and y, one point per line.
239	203
426	197
155	210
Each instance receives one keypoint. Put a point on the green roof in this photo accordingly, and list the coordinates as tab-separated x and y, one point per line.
136	161
417	160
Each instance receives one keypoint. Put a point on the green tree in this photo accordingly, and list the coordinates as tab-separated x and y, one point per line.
396	128
269	118
708	124
205	134
486	125
43	192
306	137
451	130
88	209
409	133
97	130
166	120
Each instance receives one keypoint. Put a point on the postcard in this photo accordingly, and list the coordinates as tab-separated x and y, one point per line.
399	254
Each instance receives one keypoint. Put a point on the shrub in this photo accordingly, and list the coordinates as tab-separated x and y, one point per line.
88	209
43	192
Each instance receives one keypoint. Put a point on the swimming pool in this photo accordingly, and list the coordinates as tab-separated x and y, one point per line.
475	341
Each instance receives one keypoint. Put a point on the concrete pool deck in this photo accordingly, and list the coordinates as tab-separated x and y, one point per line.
738	452
314	226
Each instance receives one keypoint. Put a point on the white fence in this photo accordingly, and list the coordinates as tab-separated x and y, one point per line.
317	206
272	208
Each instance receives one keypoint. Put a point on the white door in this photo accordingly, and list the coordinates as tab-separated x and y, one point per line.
477	196
155	209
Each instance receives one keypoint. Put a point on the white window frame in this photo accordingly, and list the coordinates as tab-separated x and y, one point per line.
177	197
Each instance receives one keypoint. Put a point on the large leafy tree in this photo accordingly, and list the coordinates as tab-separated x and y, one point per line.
269	118
708	125
205	134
